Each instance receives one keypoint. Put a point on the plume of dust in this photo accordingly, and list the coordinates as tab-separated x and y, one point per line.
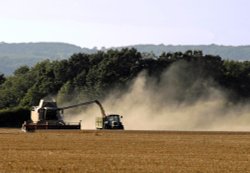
88	116
154	106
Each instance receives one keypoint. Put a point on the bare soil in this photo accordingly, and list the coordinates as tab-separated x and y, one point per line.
123	151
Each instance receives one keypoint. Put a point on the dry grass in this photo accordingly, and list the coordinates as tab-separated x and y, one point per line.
123	151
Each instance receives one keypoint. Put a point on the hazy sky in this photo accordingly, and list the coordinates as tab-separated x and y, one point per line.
90	23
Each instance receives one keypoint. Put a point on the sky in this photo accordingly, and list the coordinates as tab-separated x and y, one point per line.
111	23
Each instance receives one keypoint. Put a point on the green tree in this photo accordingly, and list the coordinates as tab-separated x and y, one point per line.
21	70
2	79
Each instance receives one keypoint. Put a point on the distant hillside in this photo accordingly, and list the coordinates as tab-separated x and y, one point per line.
16	54
226	52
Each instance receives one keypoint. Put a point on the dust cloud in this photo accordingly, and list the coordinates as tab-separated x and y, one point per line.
180	100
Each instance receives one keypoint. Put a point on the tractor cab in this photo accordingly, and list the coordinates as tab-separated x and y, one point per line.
112	121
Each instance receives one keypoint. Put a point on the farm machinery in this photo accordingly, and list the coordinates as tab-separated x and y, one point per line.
47	115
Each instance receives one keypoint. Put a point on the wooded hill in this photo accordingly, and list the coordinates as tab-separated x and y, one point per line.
13	55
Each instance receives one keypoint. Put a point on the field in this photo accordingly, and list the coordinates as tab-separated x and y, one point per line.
124	151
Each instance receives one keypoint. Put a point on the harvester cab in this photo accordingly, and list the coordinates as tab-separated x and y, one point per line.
46	112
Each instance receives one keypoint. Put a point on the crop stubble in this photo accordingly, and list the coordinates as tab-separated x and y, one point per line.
124	151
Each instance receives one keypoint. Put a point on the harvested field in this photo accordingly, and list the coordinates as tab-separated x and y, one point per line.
124	151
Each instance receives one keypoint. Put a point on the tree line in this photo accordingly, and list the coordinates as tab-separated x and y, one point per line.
94	76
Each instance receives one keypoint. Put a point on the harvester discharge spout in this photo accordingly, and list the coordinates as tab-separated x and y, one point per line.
86	103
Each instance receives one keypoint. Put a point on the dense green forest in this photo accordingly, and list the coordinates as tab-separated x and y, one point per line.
95	76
